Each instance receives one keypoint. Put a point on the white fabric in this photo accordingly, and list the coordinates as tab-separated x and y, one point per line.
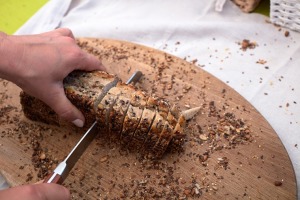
206	35
50	16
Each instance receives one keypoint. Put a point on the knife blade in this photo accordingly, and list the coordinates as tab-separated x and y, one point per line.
135	77
61	172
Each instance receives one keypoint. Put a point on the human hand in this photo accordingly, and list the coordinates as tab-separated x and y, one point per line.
39	63
43	191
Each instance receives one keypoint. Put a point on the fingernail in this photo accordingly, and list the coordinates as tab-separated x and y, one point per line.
78	122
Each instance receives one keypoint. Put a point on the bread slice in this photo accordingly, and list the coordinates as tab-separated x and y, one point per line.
130	124
103	111
138	101
156	149
118	111
154	133
165	136
178	135
164	139
143	128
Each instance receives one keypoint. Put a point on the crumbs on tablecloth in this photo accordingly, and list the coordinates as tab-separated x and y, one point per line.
247	44
261	61
286	33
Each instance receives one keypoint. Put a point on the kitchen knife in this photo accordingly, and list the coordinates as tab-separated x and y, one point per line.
62	170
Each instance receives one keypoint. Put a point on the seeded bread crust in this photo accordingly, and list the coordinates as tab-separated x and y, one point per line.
39	112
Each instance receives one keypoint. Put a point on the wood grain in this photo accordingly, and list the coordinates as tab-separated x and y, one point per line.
211	166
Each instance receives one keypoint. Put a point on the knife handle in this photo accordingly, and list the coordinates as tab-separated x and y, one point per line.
53	178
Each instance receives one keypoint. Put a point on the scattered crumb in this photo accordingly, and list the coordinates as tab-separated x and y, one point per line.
247	44
104	158
286	33
29	177
194	61
277	183
261	61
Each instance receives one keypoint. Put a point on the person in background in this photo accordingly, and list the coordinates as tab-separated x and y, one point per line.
38	64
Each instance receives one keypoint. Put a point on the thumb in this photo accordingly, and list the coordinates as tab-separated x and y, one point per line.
44	191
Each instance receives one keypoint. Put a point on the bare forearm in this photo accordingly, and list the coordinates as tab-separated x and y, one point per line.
9	54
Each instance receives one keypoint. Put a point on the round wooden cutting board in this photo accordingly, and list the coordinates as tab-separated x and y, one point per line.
231	152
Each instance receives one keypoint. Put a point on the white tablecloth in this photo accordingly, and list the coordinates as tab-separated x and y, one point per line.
204	34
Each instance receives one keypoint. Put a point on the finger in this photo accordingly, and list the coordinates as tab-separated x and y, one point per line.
59	32
89	63
65	109
65	32
44	191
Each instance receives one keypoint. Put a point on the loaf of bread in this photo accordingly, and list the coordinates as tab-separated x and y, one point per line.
129	116
247	5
